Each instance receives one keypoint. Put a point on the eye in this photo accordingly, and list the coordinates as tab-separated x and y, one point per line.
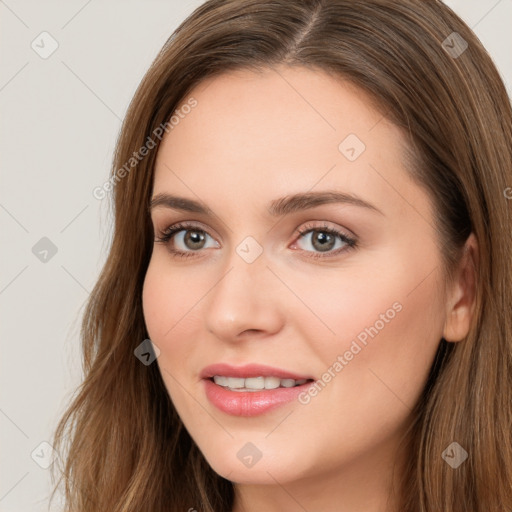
185	239
323	239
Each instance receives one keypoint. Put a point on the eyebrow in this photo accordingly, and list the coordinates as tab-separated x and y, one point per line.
277	207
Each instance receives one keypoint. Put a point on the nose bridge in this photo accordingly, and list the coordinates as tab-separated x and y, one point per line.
242	299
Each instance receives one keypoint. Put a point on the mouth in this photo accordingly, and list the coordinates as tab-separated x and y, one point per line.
251	390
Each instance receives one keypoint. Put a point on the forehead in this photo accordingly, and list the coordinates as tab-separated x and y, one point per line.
252	107
280	131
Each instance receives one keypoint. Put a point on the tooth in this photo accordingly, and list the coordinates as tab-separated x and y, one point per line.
220	380
235	382
272	382
255	383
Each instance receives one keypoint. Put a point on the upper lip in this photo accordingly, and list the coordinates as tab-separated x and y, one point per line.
249	370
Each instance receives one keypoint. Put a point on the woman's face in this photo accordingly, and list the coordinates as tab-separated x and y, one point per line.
352	303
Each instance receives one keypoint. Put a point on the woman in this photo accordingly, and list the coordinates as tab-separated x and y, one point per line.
306	303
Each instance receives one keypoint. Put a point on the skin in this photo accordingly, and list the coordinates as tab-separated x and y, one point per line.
252	138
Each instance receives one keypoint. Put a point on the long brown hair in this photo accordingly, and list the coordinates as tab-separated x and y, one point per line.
125	447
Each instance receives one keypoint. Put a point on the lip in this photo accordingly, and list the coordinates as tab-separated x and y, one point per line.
250	403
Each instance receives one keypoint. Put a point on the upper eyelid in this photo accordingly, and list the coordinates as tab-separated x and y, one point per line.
186	225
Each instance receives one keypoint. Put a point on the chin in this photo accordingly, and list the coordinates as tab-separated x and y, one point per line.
268	469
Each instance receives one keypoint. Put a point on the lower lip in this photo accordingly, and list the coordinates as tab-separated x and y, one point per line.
250	403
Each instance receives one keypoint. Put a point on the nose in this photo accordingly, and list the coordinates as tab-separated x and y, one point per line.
246	300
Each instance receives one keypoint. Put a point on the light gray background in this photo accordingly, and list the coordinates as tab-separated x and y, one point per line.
60	117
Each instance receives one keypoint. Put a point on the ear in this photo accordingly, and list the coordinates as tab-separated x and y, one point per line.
460	302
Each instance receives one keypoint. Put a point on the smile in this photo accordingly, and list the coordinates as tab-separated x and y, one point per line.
251	390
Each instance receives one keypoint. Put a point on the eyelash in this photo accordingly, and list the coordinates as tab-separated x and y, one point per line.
166	235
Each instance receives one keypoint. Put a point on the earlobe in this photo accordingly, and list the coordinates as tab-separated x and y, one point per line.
462	299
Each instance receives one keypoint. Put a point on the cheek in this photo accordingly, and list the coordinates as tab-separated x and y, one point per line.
388	349
171	301
375	366
167	302
168	298
377	328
